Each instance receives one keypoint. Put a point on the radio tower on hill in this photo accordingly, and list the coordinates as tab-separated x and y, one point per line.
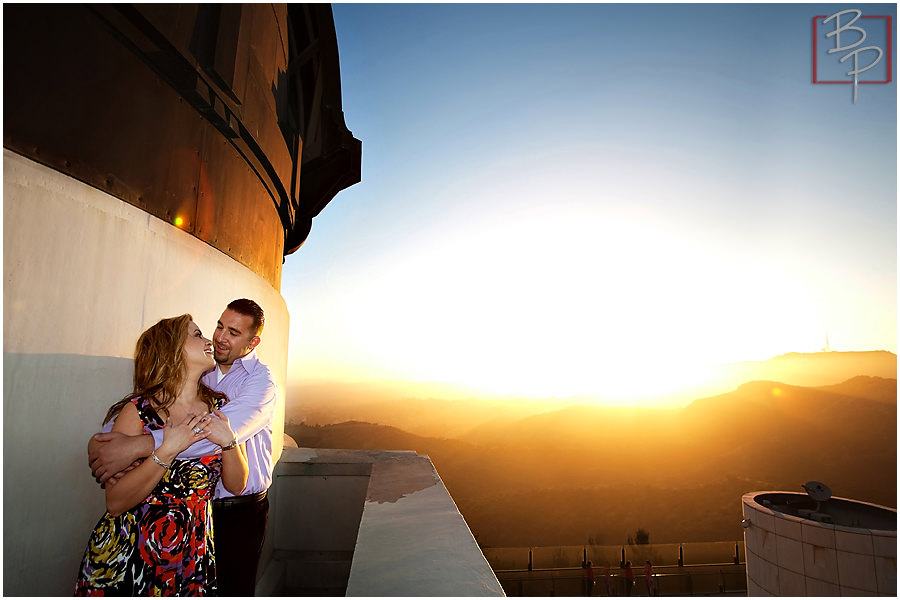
827	347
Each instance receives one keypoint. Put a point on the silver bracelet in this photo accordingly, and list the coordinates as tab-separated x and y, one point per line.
159	462
230	446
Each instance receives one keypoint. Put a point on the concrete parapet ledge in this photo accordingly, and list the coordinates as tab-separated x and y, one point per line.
385	514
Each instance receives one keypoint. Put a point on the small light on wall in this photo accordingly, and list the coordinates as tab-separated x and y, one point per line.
745	523
179	221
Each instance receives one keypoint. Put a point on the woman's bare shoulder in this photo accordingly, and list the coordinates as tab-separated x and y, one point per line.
128	421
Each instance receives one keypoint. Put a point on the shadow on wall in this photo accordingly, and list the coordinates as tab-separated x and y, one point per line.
52	404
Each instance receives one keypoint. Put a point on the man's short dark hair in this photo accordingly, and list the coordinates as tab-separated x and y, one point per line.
251	309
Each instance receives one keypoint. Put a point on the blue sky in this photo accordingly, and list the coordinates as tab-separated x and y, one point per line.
553	195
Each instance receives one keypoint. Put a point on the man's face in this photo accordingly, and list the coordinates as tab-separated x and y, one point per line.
233	337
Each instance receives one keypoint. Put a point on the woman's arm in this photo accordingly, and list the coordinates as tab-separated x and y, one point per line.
234	460
137	484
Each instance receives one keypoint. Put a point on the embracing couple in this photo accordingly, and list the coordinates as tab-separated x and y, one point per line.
184	458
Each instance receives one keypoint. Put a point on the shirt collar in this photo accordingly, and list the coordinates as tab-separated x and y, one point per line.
248	361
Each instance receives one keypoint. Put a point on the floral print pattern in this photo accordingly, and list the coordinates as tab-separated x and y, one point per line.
164	545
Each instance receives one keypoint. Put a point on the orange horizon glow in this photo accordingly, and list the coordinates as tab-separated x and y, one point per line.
719	379
618	308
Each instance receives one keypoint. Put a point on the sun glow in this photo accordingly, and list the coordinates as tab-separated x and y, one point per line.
620	309
559	240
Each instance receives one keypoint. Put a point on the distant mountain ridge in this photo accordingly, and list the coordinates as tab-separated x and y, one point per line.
863	386
559	476
433	415
816	368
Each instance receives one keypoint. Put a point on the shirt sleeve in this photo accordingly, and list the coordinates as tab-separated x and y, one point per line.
249	412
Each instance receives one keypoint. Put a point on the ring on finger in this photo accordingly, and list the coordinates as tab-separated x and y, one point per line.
197	429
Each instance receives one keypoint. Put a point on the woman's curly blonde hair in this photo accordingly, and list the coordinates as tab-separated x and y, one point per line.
159	369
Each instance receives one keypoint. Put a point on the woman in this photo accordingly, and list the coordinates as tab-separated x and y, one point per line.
648	576
156	537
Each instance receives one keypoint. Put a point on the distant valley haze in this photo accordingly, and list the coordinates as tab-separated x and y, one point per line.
806	369
532	472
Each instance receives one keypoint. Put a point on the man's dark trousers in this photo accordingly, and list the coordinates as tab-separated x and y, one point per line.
239	529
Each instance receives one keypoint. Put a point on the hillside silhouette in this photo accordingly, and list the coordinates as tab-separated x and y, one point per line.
816	368
530	477
452	411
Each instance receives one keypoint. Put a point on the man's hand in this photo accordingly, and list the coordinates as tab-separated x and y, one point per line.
113	454
114	479
219	428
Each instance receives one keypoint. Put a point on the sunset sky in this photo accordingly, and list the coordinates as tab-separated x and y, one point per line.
597	199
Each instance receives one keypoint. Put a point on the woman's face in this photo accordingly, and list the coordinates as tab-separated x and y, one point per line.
198	351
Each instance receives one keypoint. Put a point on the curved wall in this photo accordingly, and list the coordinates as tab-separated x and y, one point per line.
788	555
197	114
84	274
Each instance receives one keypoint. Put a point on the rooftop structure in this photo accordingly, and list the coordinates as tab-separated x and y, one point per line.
158	159
798	545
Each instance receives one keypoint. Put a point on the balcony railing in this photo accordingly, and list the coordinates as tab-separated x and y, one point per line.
694	580
703	568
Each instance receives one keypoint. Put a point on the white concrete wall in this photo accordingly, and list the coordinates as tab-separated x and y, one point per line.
84	275
792	556
405	533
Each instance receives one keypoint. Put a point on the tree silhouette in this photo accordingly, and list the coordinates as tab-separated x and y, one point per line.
641	538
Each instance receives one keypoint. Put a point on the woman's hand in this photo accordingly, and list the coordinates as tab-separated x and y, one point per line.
219	428
178	436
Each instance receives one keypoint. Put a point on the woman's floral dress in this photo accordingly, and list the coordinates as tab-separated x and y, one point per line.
164	545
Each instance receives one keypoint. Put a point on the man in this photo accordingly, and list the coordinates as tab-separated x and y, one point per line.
239	522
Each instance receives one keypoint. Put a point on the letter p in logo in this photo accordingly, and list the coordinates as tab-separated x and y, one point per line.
848	35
